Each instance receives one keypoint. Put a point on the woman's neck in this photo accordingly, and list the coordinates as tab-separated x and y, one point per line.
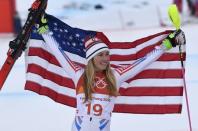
101	72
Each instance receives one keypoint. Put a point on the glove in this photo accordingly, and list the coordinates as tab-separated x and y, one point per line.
174	39
43	26
13	45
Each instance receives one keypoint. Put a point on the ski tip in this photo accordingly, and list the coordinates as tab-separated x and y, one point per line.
174	16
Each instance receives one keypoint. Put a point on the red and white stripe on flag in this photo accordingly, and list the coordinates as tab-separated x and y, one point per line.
158	89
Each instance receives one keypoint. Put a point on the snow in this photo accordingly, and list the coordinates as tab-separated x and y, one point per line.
22	110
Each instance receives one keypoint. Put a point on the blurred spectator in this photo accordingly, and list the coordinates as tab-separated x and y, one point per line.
17	23
196	8
98	7
179	4
193	7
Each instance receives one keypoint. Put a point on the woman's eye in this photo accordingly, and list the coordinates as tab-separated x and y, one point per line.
103	54
99	54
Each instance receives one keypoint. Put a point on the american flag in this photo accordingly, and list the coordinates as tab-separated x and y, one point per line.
158	89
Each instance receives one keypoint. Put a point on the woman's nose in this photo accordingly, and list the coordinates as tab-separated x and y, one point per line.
107	58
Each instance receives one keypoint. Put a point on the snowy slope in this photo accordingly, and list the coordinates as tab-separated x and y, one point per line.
25	111
125	14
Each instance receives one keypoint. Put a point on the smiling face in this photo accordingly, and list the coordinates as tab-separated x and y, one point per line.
101	60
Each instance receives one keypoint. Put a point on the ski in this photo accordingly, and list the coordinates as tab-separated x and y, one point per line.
18	45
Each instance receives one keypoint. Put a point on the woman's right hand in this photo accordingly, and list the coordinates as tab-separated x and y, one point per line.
175	39
43	26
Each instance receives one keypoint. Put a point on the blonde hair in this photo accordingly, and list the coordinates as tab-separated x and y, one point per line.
89	76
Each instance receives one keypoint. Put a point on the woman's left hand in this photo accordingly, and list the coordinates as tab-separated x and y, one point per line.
177	38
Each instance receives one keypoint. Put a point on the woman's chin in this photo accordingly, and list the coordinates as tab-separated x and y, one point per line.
101	68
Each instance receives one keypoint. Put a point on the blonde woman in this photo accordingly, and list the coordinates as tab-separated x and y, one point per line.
97	84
